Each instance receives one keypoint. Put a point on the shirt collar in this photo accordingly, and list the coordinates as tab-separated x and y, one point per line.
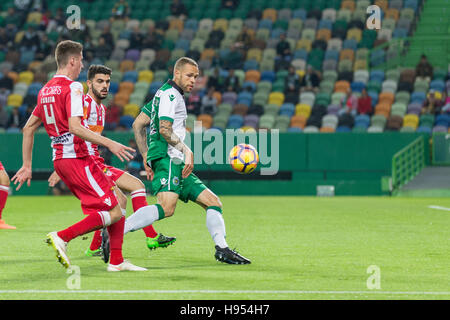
173	84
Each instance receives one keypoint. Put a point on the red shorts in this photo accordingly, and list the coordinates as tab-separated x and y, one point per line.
1	166
111	172
88	183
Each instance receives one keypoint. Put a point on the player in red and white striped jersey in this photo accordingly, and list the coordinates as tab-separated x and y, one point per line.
60	109
4	192
99	78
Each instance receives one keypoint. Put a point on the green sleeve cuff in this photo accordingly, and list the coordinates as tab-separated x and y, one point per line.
166	119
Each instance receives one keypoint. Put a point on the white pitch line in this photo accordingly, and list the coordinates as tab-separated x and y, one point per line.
439	208
228	291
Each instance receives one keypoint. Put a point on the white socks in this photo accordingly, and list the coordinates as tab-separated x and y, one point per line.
216	226
143	217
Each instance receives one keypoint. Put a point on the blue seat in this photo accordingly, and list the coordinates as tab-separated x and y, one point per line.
275	34
287	109
235	121
413	4
191	24
362	120
245	97
325	24
34	88
424	129
154	86
184	44
343	129
299	13
301	54
131	76
294	129
350	44
377	75
251	65
442	119
331	55
418	96
114	87
374	96
437	85
126	121
83	76
357	86
400	33
249	85
268	76
265	24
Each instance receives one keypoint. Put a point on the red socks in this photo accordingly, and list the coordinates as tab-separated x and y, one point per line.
92	222
139	200
3	196
115	241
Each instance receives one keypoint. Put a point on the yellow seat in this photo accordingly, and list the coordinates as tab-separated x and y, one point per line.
146	76
303	109
15	100
411	120
276	98
131	109
26	76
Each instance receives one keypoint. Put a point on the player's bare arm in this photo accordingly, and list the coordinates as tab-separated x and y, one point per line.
140	136
166	130
24	173
121	151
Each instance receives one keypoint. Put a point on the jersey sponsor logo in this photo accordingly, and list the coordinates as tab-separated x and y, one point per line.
163	181
171	97
51	90
107	201
107	172
65	138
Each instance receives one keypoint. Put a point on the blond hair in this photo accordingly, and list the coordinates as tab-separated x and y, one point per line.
64	50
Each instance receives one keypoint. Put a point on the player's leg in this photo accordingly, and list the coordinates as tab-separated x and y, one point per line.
216	227
95	247
136	187
4	192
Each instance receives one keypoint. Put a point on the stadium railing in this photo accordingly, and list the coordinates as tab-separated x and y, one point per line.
407	163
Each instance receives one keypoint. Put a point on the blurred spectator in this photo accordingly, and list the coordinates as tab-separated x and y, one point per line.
30	40
209	103
178	9
6	82
233	59
5	39
201	81
194	102
12	20
103	50
310	81
106	33
57	22
82	33
424	70
216	81
291	95
214	39
135	165
232	81
45	20
433	104
136	39
16	120
349	104
292	80
446	107
152	39
283	48
121	10
112	117
365	103
44	48
230	4
244	38
3	116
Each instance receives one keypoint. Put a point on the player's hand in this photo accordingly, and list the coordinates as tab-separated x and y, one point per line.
24	174
54	179
188	164
122	152
148	171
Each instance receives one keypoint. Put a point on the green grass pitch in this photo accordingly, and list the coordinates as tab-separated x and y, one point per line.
300	247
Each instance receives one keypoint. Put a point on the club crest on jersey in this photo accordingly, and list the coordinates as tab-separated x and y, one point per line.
176	181
107	172
107	201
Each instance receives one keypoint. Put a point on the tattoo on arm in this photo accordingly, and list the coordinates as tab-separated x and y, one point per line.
165	129
140	135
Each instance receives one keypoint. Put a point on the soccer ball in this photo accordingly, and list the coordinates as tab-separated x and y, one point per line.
244	158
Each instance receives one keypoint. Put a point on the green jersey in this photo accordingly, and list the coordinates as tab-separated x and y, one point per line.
167	104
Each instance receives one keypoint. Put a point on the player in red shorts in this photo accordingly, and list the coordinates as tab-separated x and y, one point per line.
94	113
60	108
4	191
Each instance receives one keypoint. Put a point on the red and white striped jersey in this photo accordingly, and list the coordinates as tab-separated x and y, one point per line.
60	99
94	115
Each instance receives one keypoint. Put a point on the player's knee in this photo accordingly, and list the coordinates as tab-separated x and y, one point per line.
115	214
169	210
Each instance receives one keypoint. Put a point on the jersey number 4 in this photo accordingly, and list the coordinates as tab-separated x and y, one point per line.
50	116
